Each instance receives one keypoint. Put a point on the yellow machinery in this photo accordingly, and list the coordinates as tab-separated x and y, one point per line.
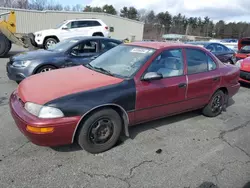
8	34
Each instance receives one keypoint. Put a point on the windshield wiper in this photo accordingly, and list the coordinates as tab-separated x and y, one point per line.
103	71
99	69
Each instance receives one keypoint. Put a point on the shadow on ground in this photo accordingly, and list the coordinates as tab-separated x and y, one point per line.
12	53
212	185
245	85
135	130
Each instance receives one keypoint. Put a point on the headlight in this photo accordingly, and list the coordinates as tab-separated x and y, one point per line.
43	111
38	34
238	63
21	63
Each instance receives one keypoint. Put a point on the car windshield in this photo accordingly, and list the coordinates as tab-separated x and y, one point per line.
245	48
122	61
60	25
63	45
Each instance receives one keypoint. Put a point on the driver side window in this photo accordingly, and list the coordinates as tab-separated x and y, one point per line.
169	63
86	47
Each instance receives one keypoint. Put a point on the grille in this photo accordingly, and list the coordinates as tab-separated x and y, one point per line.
245	75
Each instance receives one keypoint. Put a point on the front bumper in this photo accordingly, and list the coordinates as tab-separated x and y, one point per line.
244	76
63	127
18	74
15	74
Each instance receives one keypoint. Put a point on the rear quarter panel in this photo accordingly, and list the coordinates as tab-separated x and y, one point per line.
230	78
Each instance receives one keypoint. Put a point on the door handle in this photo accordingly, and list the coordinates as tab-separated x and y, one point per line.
182	85
216	78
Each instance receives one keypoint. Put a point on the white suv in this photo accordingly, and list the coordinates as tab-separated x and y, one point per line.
68	29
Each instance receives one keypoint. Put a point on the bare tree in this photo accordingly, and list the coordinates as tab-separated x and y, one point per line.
38	4
77	8
67	8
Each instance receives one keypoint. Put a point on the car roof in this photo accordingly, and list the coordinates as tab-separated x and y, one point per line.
201	42
92	37
204	43
84	19
159	45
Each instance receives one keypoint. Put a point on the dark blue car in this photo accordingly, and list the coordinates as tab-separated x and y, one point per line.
223	53
71	52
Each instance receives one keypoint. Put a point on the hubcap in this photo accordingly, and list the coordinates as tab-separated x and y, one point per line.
46	69
50	43
217	103
101	131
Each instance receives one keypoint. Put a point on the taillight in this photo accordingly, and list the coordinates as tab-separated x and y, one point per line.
107	27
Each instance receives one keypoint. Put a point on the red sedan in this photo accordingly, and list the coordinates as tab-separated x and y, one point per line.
243	49
130	84
244	65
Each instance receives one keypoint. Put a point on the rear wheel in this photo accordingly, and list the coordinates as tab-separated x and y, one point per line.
100	131
98	34
5	45
215	105
45	68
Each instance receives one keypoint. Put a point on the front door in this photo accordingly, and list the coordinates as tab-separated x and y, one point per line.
158	98
84	52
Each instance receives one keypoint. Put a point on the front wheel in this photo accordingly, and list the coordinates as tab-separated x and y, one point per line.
100	131
50	42
45	68
215	105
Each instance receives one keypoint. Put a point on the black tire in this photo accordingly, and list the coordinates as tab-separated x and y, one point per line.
86	136
49	41
210	109
98	34
48	67
5	45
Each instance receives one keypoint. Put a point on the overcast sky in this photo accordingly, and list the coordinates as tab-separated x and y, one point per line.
229	10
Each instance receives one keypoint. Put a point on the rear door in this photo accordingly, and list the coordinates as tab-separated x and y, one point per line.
203	77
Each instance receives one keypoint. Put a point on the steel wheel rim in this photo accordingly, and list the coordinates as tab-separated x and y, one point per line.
50	43
217	103
101	131
46	69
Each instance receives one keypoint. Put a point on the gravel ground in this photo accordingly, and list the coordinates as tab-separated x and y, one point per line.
187	151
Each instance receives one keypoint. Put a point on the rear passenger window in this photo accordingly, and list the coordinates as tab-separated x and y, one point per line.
211	63
197	61
94	23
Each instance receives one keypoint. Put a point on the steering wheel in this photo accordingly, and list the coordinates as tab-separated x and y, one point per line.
74	52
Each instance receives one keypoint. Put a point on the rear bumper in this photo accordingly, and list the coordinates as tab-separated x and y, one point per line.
63	127
232	90
244	76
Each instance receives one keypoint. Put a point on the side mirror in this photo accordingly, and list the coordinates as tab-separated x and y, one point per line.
65	28
152	76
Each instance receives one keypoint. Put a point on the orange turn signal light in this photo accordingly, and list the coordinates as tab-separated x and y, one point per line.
39	130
